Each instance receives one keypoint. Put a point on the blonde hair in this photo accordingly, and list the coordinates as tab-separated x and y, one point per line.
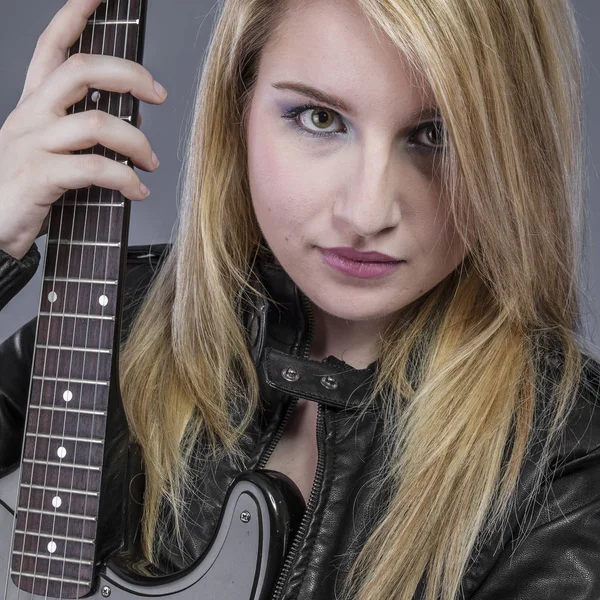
463	370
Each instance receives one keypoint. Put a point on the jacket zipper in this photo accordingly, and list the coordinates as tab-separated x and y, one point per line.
318	481
312	502
277	435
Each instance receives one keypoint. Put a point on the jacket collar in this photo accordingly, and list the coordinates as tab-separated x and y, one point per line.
279	333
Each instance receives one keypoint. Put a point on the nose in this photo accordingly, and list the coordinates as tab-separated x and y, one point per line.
370	202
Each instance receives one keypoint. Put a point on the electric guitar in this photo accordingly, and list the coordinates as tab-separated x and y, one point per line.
49	507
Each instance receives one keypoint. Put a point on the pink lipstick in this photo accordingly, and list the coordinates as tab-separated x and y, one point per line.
364	265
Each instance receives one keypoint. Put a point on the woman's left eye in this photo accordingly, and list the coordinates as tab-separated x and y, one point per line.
320	117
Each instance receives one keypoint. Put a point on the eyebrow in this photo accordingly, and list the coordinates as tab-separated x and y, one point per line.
425	112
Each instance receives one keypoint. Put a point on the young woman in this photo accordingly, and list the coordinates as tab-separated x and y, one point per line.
378	256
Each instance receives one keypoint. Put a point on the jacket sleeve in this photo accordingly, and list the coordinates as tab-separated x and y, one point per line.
16	355
15	273
559	558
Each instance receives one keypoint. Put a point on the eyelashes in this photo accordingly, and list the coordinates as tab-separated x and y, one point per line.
293	114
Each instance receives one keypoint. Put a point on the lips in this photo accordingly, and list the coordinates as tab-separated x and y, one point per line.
352	254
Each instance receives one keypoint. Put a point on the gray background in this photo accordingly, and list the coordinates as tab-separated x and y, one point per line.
176	37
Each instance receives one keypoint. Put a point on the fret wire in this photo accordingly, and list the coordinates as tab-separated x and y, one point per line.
63	515
82	280
80	582
71	380
135	22
54	463
118	204
62	490
76	315
81	243
75	349
78	561
83	411
67	438
64	538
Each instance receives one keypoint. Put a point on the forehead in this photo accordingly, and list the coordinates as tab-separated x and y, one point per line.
330	44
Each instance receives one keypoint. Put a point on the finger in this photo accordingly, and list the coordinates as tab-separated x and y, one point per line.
139	120
70	83
73	172
84	130
62	32
44	227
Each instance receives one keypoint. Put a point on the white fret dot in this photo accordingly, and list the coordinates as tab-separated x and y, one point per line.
96	96
52	547
52	296
103	300
62	452
56	501
68	396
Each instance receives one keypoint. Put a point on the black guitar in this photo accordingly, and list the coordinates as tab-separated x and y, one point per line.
49	507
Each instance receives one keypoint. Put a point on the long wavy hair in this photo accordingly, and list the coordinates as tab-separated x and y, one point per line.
507	77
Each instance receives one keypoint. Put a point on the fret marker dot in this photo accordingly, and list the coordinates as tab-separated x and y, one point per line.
52	547
68	396
52	296
62	452
96	96
103	300
56	501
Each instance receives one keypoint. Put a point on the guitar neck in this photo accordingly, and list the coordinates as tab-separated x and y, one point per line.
76	349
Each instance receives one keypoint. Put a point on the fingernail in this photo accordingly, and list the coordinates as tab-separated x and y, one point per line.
160	90
144	190
155	160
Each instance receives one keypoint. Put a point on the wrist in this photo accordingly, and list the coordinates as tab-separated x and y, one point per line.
16	250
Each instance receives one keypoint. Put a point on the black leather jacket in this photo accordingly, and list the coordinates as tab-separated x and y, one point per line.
558	560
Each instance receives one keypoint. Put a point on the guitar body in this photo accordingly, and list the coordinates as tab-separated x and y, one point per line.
261	510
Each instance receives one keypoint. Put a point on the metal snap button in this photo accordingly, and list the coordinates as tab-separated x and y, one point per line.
290	374
329	382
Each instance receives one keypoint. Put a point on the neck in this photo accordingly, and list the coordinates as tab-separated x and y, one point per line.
354	342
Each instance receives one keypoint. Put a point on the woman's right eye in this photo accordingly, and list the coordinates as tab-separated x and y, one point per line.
318	112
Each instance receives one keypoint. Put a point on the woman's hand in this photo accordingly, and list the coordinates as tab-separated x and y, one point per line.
38	137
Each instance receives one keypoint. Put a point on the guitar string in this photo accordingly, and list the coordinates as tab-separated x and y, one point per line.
76	443
41	396
112	194
54	555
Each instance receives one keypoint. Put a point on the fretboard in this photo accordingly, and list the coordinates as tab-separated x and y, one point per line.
76	345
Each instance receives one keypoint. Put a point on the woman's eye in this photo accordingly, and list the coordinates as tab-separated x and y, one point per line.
305	118
314	121
431	145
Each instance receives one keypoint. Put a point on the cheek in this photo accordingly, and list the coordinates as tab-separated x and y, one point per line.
279	191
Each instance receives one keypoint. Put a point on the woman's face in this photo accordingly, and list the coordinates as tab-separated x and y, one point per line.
369	182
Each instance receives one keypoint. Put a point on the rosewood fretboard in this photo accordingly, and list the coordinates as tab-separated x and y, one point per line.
55	532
